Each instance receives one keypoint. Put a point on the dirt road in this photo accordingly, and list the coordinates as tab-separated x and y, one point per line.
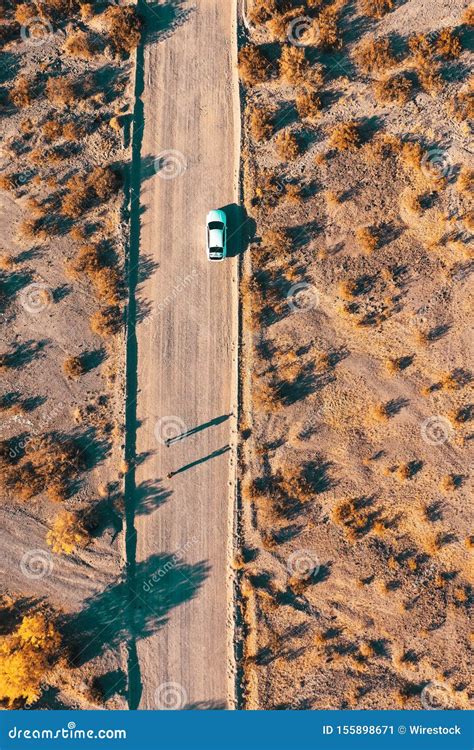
186	347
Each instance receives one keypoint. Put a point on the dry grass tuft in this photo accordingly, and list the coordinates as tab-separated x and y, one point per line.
395	89
367	239
124	26
448	45
345	137
373	55
287	145
308	105
60	91
21	92
465	181
260	122
376	8
80	44
67	534
253	65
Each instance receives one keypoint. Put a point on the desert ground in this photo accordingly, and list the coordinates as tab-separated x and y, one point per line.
66	92
356	427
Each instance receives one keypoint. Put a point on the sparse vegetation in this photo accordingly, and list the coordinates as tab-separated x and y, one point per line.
253	65
67	534
395	89
345	137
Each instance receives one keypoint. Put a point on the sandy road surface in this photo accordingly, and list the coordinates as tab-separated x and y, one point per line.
186	356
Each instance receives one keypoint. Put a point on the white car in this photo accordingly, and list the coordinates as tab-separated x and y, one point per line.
216	235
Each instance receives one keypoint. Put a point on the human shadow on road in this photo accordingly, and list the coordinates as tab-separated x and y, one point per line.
202	460
198	428
241	229
162	583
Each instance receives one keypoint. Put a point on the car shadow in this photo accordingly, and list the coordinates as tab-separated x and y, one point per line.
240	229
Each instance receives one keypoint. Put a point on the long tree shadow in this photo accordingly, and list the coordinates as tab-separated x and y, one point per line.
162	19
114	617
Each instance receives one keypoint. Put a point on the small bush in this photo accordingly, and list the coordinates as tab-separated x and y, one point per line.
277	240
106	322
253	65
294	66
462	106
124	26
395	90
73	367
293	194
465	181
287	145
67	534
260	121
345	137
60	91
79	44
430	79
328	34
367	239
373	55
21	92
468	17
376	8
261	11
308	105
448	45
24	13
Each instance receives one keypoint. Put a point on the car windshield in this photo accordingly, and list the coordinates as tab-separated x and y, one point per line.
216	250
216	225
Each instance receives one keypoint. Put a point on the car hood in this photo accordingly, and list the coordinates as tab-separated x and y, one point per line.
216	215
